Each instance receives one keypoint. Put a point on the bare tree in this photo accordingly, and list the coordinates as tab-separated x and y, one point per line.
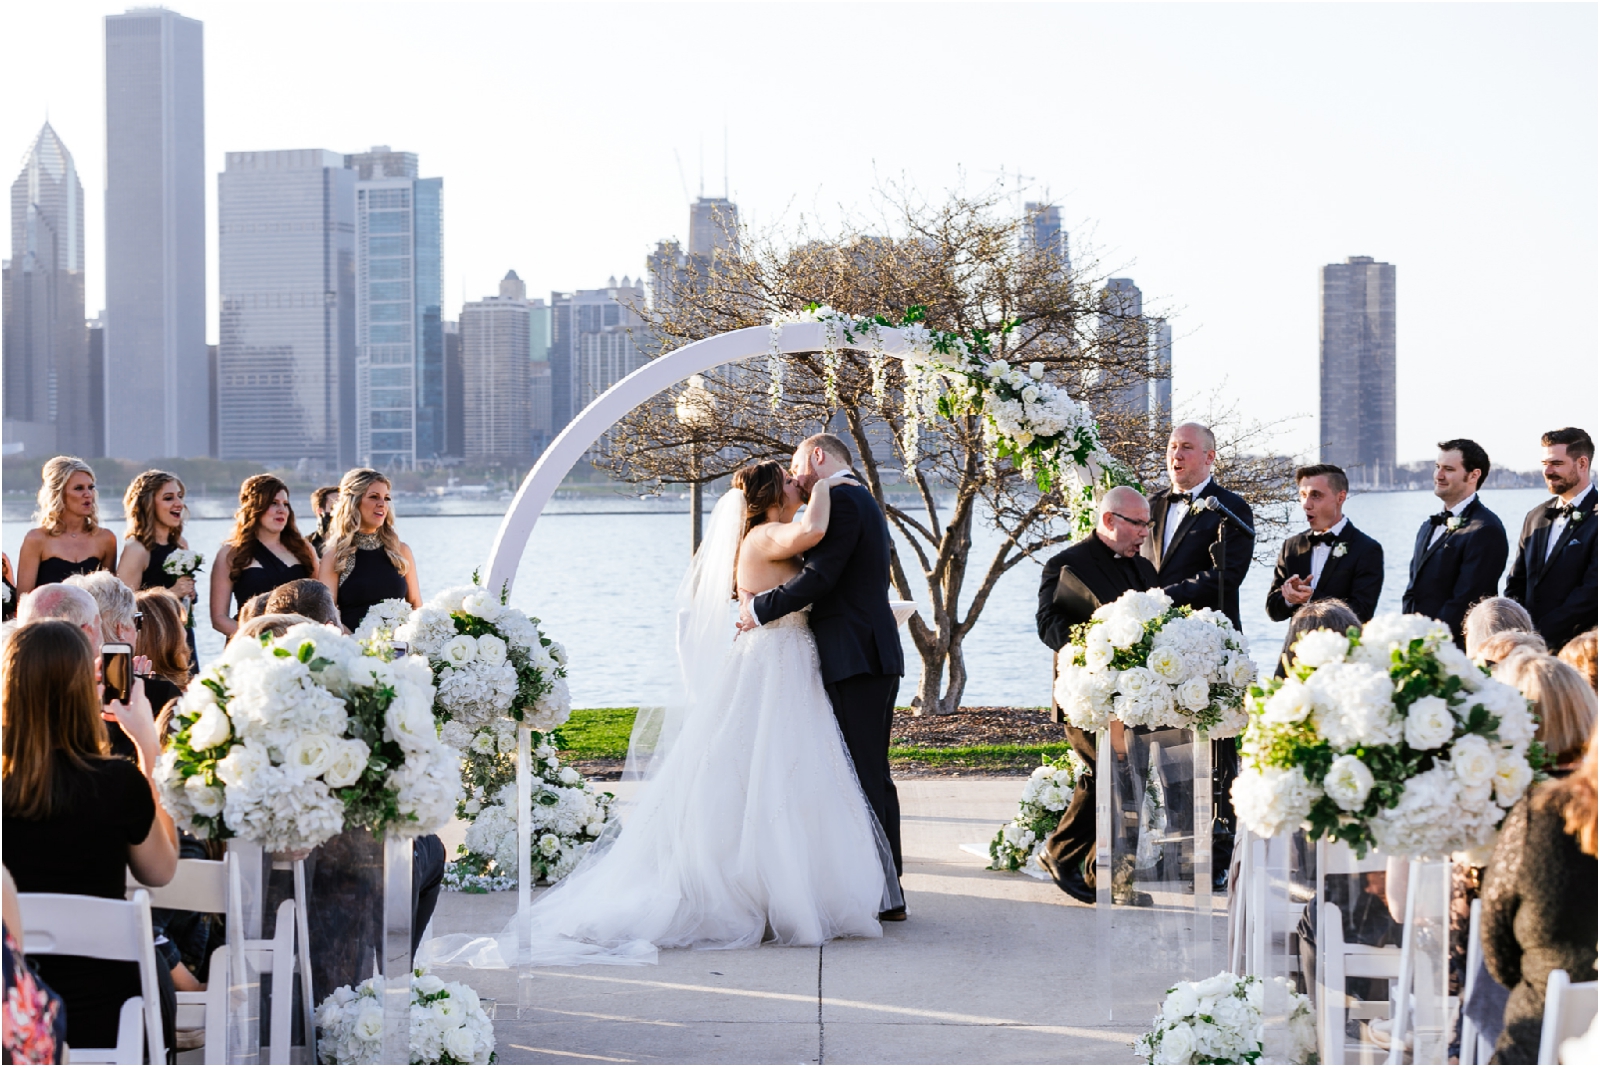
962	265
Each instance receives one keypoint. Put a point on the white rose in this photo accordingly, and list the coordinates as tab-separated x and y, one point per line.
570	777
347	764
1137	682
242	765
211	729
459	651
369	1022
1194	694
1348	782
411	724
1177	1045
1290	704
1097	657
206	799
1429	723
1511	778
1319	648
460	1043
1036	371
310	754
1241	671
479	603
1165	662
427	984
491	650
1123	630
1472	760
549	845
1182	1002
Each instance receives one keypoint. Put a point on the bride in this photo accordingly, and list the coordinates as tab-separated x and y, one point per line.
749	825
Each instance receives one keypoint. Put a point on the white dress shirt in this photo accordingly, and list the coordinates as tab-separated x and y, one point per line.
1176	512
1321	553
1559	525
1438	531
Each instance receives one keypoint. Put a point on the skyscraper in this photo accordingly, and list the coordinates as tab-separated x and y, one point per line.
400	367
713	226
605	351
1042	231
49	382
1139	354
286	362
155	315
495	366
1357	365
455	441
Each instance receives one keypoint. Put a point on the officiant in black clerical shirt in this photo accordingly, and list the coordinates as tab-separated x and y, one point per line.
1554	575
1095	571
1332	560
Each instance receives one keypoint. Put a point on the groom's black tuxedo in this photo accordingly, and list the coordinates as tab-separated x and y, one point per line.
1462	567
846	581
1558	586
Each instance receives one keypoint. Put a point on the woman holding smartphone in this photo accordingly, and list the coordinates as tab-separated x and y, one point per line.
264	551
68	539
366	561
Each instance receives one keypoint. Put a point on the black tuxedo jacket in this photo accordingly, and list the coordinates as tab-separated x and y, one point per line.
1356	577
1460	569
1080	579
1559	592
846	581
1186	569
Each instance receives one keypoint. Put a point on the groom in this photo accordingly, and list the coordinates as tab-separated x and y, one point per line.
846	582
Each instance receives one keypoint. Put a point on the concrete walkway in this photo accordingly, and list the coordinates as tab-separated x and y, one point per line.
990	968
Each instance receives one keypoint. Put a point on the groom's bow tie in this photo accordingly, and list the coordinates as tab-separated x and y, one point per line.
1440	519
1558	511
1327	537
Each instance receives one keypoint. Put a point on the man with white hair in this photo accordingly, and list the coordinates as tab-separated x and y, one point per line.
1095	571
115	602
65	602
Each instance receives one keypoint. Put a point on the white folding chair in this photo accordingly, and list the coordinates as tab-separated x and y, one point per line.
1569	1008
1474	1049
67	924
1337	961
202	885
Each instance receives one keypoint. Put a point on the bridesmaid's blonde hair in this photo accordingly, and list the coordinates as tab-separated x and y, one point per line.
347	522
53	494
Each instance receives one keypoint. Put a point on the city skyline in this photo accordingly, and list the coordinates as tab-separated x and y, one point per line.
1356	392
1296	136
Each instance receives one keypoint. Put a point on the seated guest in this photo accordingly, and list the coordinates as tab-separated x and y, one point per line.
164	641
1328	614
75	819
263	551
307	597
255	606
276	625
1332	560
120	621
1493	615
1581	654
1554	571
1538	901
35	1023
66	602
8	608
1562	701
1502	646
68	539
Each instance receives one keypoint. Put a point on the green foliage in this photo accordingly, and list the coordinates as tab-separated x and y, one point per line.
595	733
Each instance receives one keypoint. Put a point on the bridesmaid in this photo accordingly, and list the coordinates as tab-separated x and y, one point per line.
366	561
69	538
264	551
154	508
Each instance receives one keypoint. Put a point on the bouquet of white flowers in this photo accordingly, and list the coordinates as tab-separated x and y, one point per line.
1390	739
288	741
448	1023
1044	797
1219	1021
184	563
568	816
383	619
490	661
1148	663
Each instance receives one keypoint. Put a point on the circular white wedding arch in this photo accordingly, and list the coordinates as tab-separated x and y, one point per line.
609	407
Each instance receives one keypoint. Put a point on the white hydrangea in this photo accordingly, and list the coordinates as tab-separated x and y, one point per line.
446	1020
1273	799
1219	1020
1354	705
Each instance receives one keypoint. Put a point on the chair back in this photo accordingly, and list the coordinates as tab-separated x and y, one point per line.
1471	1037
68	924
198	885
1569	1008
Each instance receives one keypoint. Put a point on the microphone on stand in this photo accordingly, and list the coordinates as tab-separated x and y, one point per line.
1211	503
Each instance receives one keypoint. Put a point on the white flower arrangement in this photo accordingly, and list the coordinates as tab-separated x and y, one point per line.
184	563
1045	796
383	619
291	740
1148	663
448	1023
1218	1020
1390	739
568	815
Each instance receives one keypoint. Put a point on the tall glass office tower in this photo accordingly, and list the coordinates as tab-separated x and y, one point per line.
155	320
400	379
287	357
1357	369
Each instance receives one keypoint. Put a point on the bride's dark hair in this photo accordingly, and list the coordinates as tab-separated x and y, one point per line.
762	486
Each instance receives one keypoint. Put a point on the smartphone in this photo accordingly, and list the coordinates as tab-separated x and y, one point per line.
399	648
116	671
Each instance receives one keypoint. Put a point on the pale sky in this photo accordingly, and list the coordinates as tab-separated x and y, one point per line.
1217	155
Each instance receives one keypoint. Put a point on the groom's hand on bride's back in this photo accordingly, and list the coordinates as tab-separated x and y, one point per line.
747	619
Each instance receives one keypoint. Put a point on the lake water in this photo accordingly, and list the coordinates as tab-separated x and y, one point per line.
603	581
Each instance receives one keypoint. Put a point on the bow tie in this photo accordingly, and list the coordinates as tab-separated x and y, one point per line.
1559	511
1327	537
1439	519
1180	498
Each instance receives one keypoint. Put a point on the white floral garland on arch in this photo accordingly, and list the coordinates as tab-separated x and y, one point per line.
1036	425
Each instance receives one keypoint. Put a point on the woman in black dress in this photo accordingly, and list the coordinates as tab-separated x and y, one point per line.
366	561
154	508
68	539
264	551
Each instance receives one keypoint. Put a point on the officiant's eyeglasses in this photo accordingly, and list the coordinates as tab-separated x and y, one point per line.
1144	523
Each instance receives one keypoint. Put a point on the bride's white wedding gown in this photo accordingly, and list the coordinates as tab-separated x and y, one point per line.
750	827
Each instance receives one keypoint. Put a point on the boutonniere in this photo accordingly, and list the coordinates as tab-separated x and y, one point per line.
1575	518
1454	523
1340	549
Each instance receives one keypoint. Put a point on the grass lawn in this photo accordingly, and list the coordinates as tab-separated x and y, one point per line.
602	734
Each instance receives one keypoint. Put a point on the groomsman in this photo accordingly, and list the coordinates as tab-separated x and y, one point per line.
1187	547
1554	574
1095	571
1333	559
1461	551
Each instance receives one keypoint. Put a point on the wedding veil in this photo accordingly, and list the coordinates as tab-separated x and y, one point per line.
704	609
